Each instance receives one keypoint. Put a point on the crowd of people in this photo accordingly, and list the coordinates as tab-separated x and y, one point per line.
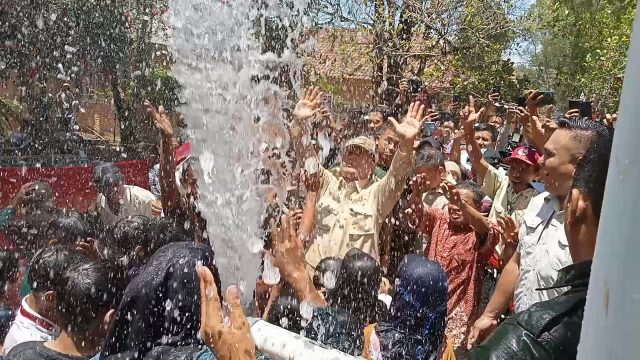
407	233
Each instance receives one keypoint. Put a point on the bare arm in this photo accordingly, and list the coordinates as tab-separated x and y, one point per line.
455	148
168	189
479	165
503	295
305	109
288	256
391	186
536	133
308	217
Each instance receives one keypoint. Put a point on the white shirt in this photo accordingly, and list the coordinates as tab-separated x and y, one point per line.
25	329
136	201
543	251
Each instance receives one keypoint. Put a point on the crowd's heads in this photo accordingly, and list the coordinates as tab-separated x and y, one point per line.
326	274
430	163
285	311
132	241
584	202
161	306
359	154
67	229
109	181
486	135
429	142
496	121
523	166
357	287
45	275
86	298
387	145
471	194
565	148
123	239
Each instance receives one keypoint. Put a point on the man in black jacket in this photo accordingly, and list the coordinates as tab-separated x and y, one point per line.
551	329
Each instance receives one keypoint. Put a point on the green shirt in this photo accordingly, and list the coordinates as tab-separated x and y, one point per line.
379	172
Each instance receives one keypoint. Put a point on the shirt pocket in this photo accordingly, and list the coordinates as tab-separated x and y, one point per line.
362	227
558	248
528	235
556	255
327	216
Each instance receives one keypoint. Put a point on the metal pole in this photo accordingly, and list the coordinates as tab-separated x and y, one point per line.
611	323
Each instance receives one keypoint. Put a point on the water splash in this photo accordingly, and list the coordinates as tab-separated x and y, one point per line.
217	60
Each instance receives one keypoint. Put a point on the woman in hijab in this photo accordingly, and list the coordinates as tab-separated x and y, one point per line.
159	316
416	322
352	305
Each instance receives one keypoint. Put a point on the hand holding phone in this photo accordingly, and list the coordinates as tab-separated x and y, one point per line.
584	107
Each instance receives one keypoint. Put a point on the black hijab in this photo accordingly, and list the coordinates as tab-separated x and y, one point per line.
415	327
161	306
352	305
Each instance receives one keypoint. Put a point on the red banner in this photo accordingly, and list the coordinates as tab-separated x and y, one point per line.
72	185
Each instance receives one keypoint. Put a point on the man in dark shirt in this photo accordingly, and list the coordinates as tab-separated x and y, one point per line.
85	299
551	329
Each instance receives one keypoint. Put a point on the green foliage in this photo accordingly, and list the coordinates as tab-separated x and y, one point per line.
582	47
455	45
158	86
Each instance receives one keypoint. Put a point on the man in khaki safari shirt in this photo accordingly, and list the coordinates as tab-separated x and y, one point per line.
350	210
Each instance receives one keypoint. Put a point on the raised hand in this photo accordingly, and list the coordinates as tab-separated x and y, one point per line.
610	119
160	118
25	192
451	193
533	102
309	104
433	116
228	342
523	116
287	250
88	248
508	228
404	86
512	115
471	121
409	129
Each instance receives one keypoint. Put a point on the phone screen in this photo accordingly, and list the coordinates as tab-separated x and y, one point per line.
429	128
548	97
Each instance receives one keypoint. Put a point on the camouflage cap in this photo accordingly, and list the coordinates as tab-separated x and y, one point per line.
363	142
